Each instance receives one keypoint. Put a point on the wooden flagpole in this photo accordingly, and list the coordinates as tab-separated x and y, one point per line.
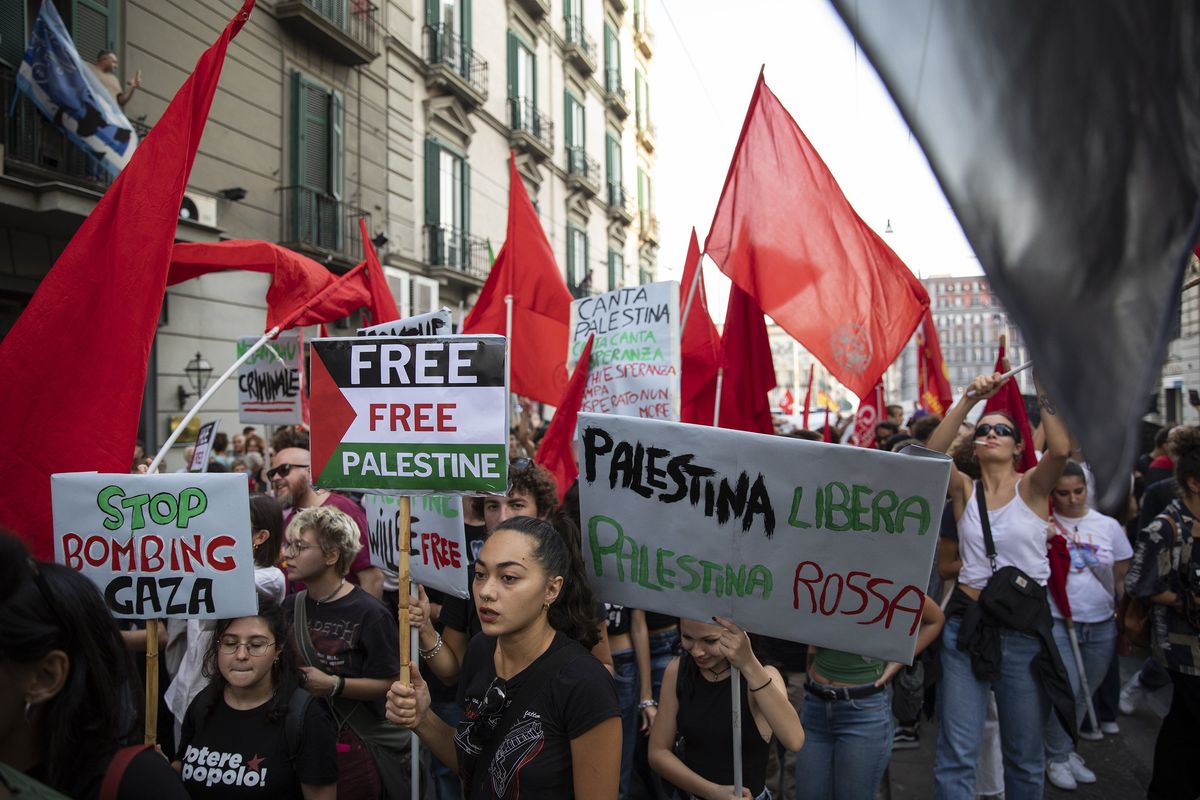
151	729
403	542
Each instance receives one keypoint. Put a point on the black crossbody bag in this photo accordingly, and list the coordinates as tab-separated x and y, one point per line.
1011	598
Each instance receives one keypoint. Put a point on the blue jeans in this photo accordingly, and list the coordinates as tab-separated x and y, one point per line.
445	779
847	746
664	645
628	689
962	707
1097	642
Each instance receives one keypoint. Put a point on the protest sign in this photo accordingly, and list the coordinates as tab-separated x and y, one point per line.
804	541
175	546
432	323
204	446
439	550
635	358
269	386
416	415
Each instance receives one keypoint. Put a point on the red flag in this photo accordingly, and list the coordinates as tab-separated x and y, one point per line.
787	403
808	397
541	301
749	371
1060	568
383	305
1009	400
827	431
699	344
555	452
75	361
933	379
784	232
870	413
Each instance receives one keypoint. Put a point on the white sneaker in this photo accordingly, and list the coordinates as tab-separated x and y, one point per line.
1091	736
1060	774
1132	694
1110	728
1081	773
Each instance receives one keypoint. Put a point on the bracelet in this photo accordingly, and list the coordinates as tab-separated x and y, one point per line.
648	704
338	687
765	685
433	651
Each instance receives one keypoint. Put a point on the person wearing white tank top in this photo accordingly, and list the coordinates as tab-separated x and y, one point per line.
1018	513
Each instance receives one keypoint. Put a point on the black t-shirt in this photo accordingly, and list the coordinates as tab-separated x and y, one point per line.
535	755
353	636
475	534
618	619
231	753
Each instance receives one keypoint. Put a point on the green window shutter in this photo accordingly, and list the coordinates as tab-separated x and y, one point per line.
12	34
512	66
466	196
432	184
533	66
568	123
638	89
610	46
337	143
571	279
94	26
466	22
613	278
432	12
586	260
298	114
311	111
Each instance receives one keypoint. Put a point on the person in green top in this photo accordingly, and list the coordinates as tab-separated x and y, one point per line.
847	719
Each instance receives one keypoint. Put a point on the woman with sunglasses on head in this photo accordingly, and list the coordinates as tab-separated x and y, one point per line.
541	716
253	732
1018	515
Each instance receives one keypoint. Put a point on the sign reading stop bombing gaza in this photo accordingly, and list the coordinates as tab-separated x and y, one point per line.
410	415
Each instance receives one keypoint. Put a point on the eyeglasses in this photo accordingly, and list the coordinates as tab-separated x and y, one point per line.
229	645
295	547
283	469
1000	429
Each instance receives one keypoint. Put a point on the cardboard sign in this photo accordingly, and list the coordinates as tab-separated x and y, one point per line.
438	558
805	541
635	357
175	546
416	415
204	446
269	385
432	323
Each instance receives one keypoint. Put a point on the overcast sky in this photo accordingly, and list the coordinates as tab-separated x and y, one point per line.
698	105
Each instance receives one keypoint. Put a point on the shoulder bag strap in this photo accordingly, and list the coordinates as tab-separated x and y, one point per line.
116	770
300	623
988	543
534	684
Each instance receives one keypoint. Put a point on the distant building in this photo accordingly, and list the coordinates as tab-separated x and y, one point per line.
1176	397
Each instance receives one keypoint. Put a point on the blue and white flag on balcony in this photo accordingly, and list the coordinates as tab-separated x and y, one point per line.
71	96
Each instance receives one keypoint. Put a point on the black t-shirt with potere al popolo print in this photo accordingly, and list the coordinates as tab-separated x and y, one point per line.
534	758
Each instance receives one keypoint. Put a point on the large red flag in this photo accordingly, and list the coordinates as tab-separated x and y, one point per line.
555	452
525	269
699	344
784	232
870	413
383	305
933	379
74	364
1010	401
749	371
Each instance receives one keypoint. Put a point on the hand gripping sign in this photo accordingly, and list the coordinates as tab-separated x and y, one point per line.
804	541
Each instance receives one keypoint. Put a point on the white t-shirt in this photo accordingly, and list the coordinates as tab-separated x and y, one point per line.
1093	540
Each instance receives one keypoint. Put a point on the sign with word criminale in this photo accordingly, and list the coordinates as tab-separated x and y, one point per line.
805	541
410	415
269	386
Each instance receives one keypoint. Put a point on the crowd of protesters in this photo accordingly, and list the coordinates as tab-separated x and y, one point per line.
532	686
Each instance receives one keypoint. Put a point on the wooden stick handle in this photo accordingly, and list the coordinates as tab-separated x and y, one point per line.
404	537
151	731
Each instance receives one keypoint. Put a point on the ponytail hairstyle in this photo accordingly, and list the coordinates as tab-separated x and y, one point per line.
574	612
1185	446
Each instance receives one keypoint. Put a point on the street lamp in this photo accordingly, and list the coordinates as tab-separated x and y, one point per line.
198	371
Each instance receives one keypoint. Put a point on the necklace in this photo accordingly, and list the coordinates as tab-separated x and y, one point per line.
715	673
331	594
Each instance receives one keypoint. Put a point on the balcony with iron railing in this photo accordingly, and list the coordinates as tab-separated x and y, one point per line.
620	203
454	65
646	133
346	30
321	225
583	171
535	8
647	227
457	252
529	130
643	37
614	92
580	48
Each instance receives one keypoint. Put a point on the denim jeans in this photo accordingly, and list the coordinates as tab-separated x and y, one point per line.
628	689
1097	641
847	746
962	706
1107	696
664	645
445	779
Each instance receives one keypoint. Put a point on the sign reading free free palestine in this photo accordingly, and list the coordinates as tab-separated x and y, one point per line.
410	415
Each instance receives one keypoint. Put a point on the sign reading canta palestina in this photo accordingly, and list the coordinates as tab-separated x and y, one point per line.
804	541
410	415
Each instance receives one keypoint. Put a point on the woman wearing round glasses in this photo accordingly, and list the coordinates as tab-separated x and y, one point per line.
1018	514
253	732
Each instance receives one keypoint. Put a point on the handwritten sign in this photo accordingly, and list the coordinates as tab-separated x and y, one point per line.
432	323
635	357
804	541
175	546
204	446
269	385
415	415
438	558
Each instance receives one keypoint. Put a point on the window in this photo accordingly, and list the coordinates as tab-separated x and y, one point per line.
639	15
577	260
576	130
447	204
316	164
612	59
451	21
641	97
645	191
613	170
424	294
522	84
616	269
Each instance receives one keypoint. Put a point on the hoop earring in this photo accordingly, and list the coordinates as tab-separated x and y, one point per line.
546	607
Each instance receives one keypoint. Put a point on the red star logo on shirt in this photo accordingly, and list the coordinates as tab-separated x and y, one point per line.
254	763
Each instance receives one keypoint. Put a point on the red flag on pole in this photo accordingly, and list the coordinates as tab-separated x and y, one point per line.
784	232
787	403
870	413
699	344
74	363
808	397
933	379
1010	401
383	305
749	371
555	452
541	301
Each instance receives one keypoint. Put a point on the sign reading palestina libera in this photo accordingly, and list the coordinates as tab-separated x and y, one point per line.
438	554
634	367
410	415
804	541
175	546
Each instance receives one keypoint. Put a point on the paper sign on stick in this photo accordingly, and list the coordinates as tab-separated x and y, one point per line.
635	358
204	446
432	323
269	382
804	541
416	415
438	559
174	546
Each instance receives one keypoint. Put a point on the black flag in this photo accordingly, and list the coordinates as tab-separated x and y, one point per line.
1065	135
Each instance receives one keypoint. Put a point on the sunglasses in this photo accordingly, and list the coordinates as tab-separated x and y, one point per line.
999	428
283	469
